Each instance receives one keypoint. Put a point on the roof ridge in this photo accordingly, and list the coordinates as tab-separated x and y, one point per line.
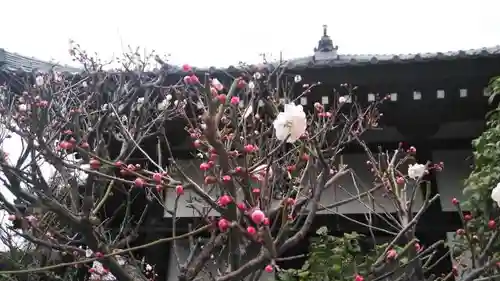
13	60
16	61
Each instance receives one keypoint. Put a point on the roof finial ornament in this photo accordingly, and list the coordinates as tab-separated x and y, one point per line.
325	50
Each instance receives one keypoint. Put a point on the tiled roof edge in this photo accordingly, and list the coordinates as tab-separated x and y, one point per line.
13	61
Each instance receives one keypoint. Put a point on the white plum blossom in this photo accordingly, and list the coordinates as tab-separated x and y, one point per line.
342	99
120	259
39	81
248	112
262	172
88	253
297	78
291	123
84	84
416	171
200	104
257	75
57	76
81	176
71	159
169	97
140	102
251	85
163	105
99	273
495	194
23	107
32	219
217	84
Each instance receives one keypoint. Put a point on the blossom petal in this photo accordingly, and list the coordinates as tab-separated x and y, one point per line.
495	194
291	123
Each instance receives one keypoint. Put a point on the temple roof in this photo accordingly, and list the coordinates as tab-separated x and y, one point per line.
14	61
325	55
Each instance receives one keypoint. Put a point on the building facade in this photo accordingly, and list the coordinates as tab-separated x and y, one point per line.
437	103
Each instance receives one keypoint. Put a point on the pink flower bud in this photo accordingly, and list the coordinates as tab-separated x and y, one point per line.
235	100
179	190
359	278
391	254
241	206
223	225
258	216
139	182
251	230
249	148
225	200
157	177
204	166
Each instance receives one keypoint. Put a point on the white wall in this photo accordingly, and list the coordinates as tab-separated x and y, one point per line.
349	187
212	266
192	169
457	166
346	188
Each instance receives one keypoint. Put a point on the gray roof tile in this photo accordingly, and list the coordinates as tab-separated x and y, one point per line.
364	59
13	61
342	60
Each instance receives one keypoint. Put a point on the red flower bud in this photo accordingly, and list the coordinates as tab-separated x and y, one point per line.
492	224
251	230
157	177
222	98
139	182
400	180
225	200
179	190
467	217
94	164
223	225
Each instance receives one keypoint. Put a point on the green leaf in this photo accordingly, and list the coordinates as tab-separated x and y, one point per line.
303	274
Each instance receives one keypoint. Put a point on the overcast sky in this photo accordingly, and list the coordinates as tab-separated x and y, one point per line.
223	32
